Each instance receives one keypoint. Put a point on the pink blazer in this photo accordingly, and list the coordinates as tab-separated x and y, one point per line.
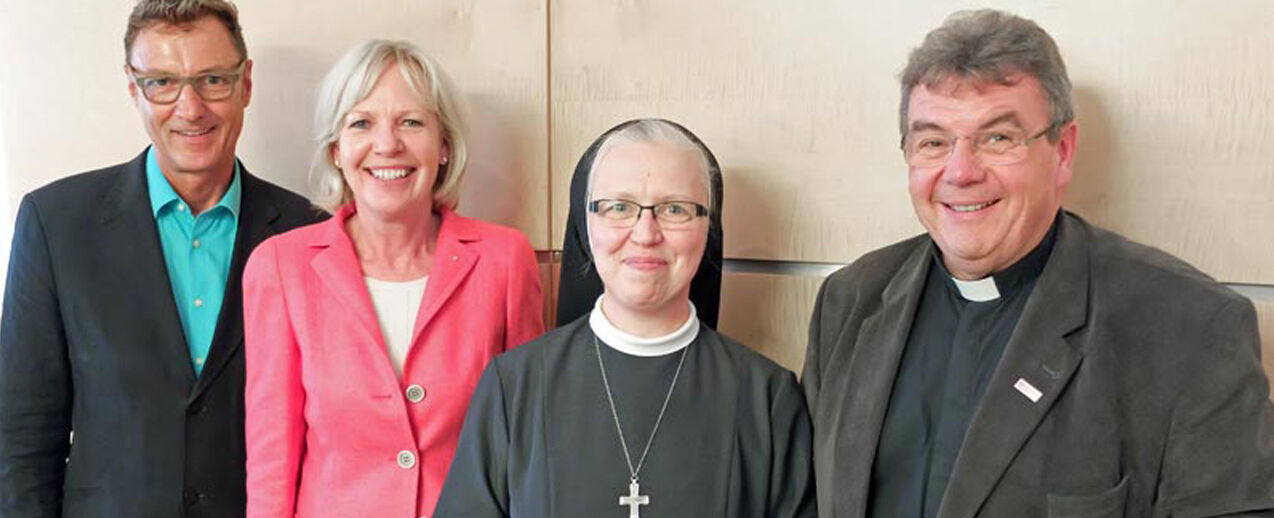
330	429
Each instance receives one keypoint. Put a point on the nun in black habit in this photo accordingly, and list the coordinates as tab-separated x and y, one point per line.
637	408
580	286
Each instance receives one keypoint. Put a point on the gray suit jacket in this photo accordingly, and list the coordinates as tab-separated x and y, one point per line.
1153	399
91	342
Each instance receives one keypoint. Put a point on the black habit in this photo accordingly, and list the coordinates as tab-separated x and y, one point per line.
539	439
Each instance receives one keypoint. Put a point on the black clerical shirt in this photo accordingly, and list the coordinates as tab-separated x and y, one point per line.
953	349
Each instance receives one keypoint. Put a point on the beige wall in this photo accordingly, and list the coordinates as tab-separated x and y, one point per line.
1265	318
798	100
770	313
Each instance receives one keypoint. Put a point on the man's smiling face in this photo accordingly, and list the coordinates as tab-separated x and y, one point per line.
984	218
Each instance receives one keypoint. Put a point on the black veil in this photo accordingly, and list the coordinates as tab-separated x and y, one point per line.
580	286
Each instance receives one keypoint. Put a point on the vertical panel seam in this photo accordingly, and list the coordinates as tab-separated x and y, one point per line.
548	119
554	258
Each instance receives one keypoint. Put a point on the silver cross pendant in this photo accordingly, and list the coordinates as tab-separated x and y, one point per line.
633	500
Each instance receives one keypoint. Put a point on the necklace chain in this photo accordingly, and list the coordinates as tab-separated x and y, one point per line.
615	414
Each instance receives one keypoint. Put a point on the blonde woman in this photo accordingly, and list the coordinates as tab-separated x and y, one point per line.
366	334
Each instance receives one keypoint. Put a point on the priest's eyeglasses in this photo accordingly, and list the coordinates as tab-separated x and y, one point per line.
625	213
215	85
1001	146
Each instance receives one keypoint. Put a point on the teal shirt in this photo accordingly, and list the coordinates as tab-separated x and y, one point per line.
197	252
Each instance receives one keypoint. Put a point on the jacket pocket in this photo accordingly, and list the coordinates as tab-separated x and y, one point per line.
1106	504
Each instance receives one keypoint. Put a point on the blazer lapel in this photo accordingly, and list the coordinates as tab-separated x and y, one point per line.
337	268
127	216
257	214
872	370
1037	364
454	258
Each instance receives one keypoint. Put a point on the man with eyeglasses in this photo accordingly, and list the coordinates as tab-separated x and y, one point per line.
121	374
1016	360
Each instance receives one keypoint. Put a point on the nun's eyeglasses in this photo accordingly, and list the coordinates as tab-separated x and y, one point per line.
625	213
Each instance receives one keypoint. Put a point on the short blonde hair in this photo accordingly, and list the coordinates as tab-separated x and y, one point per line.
350	81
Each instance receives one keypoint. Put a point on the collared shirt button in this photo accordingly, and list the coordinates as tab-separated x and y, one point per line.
415	393
199	303
196	243
181	207
406	459
199	360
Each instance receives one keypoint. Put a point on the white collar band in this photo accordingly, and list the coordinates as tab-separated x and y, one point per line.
981	290
636	346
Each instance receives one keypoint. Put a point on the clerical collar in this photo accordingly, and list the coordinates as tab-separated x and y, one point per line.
1022	272
636	346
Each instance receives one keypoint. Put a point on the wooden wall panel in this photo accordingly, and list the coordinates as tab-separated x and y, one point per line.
802	127
551	291
548	288
64	105
769	313
799	101
1265	316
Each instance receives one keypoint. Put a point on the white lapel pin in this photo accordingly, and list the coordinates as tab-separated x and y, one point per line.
1028	390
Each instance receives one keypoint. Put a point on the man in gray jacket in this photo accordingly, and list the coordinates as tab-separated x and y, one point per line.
1016	360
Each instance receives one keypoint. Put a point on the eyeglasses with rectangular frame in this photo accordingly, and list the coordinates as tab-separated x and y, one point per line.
932	148
625	213
211	86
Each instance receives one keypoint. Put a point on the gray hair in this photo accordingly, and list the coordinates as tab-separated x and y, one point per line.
351	80
986	46
148	13
659	131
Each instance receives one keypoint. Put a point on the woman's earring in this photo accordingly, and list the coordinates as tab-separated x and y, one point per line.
337	163
444	160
